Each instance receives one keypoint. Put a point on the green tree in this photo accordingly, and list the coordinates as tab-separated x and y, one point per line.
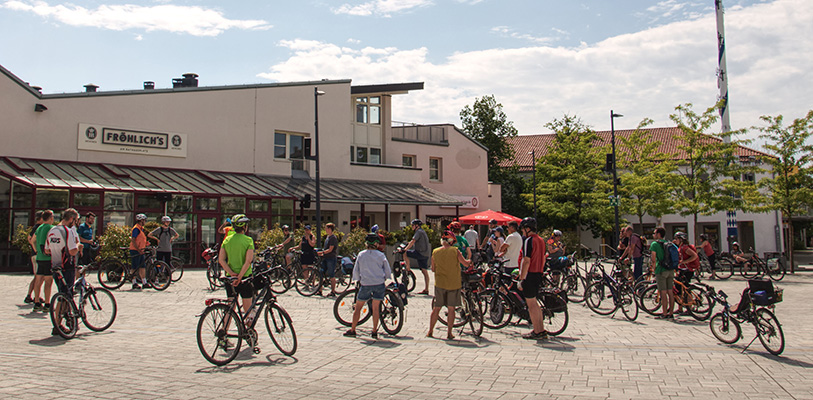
572	191
646	175
709	171
789	190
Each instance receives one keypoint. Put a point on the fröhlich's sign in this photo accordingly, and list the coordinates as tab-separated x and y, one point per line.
100	138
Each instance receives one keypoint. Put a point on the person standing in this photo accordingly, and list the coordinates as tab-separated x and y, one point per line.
307	245
708	250
371	271
530	276
511	248
445	264
664	278
64	246
287	244
496	240
634	251
164	235
85	232
330	255
138	244
420	253
492	224
236	255
43	264
472	237
32	240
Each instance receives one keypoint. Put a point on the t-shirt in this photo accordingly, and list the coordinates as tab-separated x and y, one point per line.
42	237
496	244
331	240
286	247
472	237
56	242
447	271
462	244
708	249
684	255
421	242
85	231
164	236
514	241
140	239
637	245
235	246
533	247
657	248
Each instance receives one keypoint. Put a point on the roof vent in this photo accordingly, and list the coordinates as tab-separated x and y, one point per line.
90	88
188	80
37	88
149	85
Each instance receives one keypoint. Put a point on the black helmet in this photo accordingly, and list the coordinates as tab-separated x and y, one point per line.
528	222
493	222
372	239
416	221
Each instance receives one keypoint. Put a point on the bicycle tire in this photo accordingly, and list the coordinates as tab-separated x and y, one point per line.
64	316
769	331
343	281
308	282
112	274
213	337
725	269
751	271
474	314
213	276
98	309
345	305
159	275
575	287
777	271
556	278
650	300
281	329
177	269
703	304
497	310
459	319
555	322
597	300
627	302
279	280
391	313
410	285
725	329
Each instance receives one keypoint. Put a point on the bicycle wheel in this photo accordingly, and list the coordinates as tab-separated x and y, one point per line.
599	299
554	313
556	278
459	315
219	334
391	312
776	269
496	307
159	275
308	281
279	327
410	283
575	287
724	268
64	316
750	269
703	303
769	331
474	314
627	302
343	282
650	300
725	328
112	274
279	280
177	269
345	305
98	309
213	275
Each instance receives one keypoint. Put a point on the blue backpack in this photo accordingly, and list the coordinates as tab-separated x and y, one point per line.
671	256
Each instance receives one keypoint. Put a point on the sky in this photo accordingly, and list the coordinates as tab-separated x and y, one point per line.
541	59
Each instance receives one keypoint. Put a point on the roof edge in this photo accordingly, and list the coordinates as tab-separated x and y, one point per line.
391	88
20	82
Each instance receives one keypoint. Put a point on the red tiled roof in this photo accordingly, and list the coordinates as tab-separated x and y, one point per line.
539	143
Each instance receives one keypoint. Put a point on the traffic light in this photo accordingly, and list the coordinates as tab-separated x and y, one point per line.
608	165
306	201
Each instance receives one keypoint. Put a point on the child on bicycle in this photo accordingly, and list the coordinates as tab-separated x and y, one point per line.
371	271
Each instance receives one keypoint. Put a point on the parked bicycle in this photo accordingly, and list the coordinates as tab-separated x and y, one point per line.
570	280
399	268
96	307
756	267
755	307
471	308
115	273
213	269
694	300
391	310
723	266
223	326
606	296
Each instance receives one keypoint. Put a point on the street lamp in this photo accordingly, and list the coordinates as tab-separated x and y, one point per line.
533	156
316	94
616	230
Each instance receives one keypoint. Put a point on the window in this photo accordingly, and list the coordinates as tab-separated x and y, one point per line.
206	204
365	155
233	205
181	203
408	161
748	177
280	141
361	155
86	199
368	110
292	147
149	202
375	156
21	195
435	165
282	206
5	192
52	199
258	206
118	201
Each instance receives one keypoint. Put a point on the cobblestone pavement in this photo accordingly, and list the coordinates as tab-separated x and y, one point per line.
151	352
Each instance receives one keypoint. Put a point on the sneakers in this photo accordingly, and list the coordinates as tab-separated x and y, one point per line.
136	286
350	333
37	307
54	332
535	336
374	335
28	299
46	307
224	343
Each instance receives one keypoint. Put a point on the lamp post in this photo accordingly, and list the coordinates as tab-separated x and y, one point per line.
616	229
533	156
316	94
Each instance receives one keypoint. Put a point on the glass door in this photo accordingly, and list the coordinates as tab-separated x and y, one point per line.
206	234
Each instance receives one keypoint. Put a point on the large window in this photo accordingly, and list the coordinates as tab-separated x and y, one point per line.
368	110
118	201
365	155
89	200
21	195
288	146
435	169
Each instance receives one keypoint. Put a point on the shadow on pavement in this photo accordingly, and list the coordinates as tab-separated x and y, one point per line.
553	343
246	355
476	344
33	315
51	341
381	343
781	359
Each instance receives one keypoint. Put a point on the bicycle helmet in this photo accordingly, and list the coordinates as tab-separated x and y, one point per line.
681	236
493	222
166	218
239	220
140	217
371	239
515	274
449	237
528	222
455	226
286	228
557	232
374	229
416	221
735	244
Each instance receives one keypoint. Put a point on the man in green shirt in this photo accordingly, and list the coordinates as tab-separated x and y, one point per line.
43	263
665	278
236	255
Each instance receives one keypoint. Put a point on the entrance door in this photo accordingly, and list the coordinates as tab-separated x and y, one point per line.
206	235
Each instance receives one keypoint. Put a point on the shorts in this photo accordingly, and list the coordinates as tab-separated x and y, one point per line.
136	259
376	292
69	276
665	280
245	289
44	268
531	285
423	262
329	267
447	298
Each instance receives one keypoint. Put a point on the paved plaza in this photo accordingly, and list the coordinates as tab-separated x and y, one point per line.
151	352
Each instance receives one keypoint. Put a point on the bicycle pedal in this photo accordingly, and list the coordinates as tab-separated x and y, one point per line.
256	350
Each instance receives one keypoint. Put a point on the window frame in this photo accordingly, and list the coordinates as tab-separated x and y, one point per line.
438	170
413	160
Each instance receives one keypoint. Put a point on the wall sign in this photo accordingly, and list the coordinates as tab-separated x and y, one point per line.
100	138
467	200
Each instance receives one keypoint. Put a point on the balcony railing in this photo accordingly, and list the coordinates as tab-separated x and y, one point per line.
419	133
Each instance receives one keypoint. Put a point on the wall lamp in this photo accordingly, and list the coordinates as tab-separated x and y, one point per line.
39	107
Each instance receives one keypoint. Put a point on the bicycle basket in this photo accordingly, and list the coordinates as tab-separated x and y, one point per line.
762	292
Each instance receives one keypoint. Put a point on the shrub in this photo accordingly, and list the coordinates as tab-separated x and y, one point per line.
405	235
353	242
20	239
115	237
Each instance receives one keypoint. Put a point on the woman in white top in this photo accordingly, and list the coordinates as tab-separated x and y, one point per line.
497	239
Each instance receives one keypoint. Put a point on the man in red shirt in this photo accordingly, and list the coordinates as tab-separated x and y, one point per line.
530	275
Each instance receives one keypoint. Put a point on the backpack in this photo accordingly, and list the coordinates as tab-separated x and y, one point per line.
643	242
671	256
68	261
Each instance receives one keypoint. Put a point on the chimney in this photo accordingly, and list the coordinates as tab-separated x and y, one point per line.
90	88
149	85
188	80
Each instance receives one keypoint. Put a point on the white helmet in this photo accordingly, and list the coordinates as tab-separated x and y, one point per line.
140	217
166	218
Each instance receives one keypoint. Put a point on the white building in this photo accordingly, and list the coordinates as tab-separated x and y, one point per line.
201	154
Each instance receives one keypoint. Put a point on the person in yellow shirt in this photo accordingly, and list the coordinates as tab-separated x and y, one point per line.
446	262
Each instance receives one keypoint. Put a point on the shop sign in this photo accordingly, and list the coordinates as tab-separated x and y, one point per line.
100	138
467	200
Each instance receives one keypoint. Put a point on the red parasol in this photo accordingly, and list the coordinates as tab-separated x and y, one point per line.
482	218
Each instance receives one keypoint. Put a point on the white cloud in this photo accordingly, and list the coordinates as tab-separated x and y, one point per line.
384	8
196	21
509	32
643	74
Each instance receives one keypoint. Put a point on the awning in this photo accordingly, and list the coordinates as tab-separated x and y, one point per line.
367	192
78	176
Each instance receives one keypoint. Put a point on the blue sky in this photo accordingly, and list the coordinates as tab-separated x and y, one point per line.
541	59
